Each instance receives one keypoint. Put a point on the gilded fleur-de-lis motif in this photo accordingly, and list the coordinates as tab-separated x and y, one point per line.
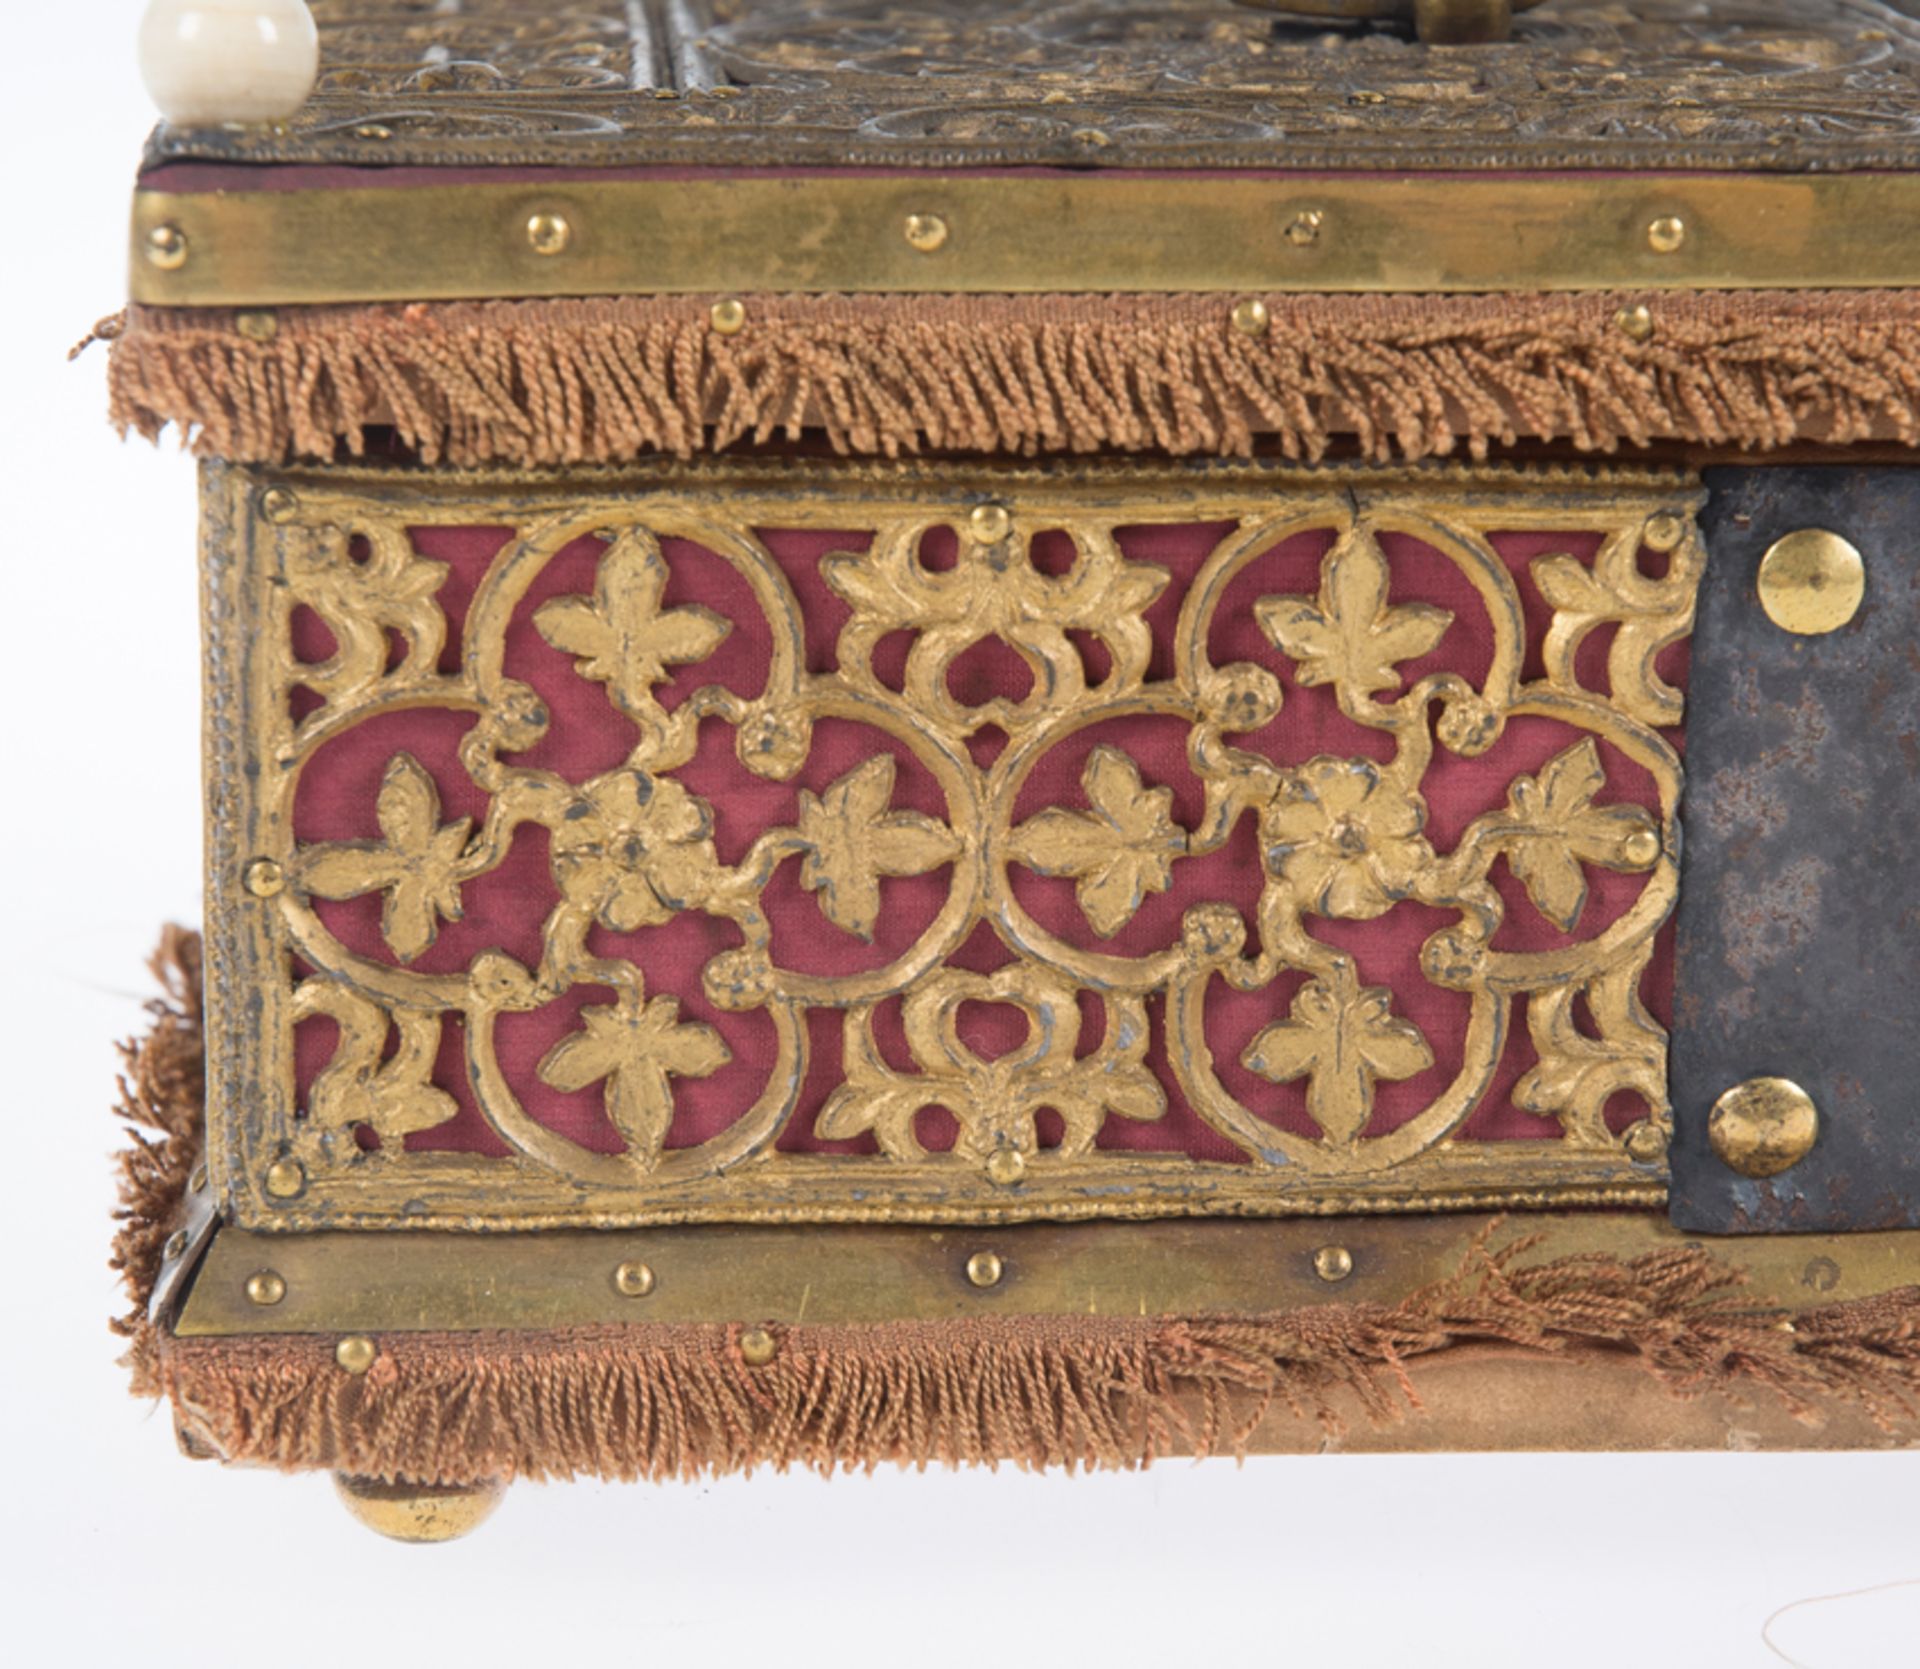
635	1046
417	865
852	839
1555	829
1118	852
1342	1037
1350	636
624	638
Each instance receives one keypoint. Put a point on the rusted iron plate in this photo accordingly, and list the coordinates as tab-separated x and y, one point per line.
1799	935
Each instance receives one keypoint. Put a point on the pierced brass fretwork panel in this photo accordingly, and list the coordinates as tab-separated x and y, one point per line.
1181	927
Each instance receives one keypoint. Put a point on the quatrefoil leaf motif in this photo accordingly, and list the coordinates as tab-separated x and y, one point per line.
852	839
635	1047
417	865
1350	635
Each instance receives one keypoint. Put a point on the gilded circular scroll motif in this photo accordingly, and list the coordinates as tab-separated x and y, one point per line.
1338	840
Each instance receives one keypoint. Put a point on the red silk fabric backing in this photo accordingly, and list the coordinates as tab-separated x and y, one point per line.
505	908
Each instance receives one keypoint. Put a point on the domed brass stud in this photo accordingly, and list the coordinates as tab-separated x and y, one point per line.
197	1183
265	878
167	248
279	506
1812	582
1666	234
1763	1127
549	233
1304	229
758	1347
728	317
355	1354
260	325
1635	323
286	1179
1006	1166
1251	317
266	1287
989	523
410	1512
176	1246
984	1269
1646	1142
1333	1263
1641	847
633	1280
926	232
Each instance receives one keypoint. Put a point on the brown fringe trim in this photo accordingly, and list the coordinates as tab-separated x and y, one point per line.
1075	1391
608	381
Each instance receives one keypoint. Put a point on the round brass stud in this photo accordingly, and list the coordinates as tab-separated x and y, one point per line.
266	1287
989	523
257	326
197	1183
633	1280
1006	1166
1664	531
175	1247
410	1512
355	1354
1641	847
926	232
167	248
1763	1127
1666	234
549	233
265	878
1305	228
984	1269
758	1347
286	1179
1646	1142
279	506
1635	323
1250	317
728	317
1812	582
1333	1263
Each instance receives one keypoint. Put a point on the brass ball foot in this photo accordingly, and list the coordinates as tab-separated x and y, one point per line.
409	1512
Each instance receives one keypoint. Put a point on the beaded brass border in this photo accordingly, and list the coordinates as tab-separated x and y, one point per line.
269	538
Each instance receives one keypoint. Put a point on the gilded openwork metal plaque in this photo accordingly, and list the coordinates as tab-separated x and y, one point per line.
852	842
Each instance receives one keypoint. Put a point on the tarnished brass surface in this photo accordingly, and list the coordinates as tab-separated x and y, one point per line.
1764	84
1812	582
373	1284
1764	1127
411	1512
1056	232
1342	838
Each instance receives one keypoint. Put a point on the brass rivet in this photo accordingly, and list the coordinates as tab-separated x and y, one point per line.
265	878
355	1354
728	317
257	326
758	1347
548	233
1646	1142
1006	1166
286	1178
1641	847
198	1181
1664	531
926	232
266	1287
633	1280
989	523
1305	227
1251	318
984	1269
1666	234
278	505
167	248
1812	582
1333	1263
1763	1127
175	1247
372	130
1635	323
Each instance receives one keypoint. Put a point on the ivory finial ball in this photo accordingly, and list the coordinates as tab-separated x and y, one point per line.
211	61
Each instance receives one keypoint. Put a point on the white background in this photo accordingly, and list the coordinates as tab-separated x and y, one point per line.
115	1550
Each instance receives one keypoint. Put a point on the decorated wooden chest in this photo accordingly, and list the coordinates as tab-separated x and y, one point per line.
1036	731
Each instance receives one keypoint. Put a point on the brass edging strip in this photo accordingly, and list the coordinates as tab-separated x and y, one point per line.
383	1283
1054	232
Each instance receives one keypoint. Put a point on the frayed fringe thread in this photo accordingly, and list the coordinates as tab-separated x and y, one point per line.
608	381
1075	1391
